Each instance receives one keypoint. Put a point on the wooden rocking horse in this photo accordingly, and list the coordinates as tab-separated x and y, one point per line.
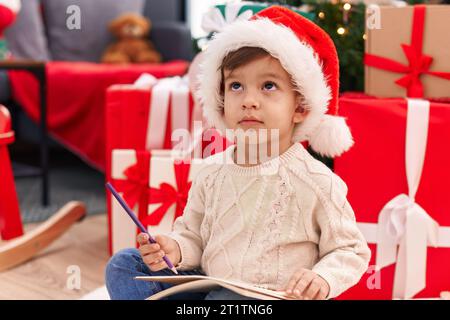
20	247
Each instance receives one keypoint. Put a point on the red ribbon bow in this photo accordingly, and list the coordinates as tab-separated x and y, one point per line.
135	186
167	195
418	63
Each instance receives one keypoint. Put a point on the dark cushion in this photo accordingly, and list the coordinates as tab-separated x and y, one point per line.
26	37
173	40
164	10
89	41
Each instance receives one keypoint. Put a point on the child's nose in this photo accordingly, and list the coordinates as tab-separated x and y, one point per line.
250	101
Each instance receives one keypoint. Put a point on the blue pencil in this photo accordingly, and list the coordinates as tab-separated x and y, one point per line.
137	222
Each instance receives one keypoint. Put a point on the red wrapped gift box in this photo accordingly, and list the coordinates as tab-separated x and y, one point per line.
155	185
375	171
129	112
128	115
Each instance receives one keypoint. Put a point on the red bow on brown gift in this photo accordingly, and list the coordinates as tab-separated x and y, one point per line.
418	62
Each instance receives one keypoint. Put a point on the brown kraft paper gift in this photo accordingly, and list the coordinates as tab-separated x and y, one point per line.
386	42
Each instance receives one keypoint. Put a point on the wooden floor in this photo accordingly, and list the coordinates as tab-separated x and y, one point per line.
46	276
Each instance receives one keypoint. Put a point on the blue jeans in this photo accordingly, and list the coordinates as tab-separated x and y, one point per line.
127	264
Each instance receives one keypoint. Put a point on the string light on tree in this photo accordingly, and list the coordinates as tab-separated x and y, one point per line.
347	6
341	31
321	15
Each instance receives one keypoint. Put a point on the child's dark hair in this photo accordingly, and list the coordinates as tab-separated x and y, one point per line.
238	58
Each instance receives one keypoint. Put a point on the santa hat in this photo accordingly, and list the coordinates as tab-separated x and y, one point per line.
306	52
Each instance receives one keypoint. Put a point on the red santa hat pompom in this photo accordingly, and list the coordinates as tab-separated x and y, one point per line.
306	52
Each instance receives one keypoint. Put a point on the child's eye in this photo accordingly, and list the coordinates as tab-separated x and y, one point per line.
235	86
270	86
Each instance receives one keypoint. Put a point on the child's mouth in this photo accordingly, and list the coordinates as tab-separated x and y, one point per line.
250	122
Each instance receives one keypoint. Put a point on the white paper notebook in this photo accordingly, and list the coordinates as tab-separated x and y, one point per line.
193	283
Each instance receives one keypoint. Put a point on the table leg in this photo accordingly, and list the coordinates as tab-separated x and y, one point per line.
38	70
44	141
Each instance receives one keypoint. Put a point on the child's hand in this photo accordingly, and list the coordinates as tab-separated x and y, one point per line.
153	253
308	285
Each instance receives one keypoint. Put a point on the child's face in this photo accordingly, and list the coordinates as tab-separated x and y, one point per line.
262	89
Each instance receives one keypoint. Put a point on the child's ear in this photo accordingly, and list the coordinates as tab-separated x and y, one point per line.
299	114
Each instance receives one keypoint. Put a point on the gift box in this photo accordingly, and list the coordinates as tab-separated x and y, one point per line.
407	53
221	15
397	174
143	117
155	185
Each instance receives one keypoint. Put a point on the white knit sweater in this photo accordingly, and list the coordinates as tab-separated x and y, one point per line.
260	224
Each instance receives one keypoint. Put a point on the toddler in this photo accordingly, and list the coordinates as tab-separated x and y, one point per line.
281	222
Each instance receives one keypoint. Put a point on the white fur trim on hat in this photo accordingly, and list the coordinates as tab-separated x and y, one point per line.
297	58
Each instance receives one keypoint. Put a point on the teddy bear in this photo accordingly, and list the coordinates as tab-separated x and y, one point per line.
132	44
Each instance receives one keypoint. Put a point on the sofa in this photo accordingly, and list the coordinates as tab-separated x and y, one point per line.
40	34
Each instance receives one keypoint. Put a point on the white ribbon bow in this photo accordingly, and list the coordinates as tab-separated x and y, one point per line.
214	21
402	221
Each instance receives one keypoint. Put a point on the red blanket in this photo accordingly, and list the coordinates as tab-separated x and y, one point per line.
76	100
